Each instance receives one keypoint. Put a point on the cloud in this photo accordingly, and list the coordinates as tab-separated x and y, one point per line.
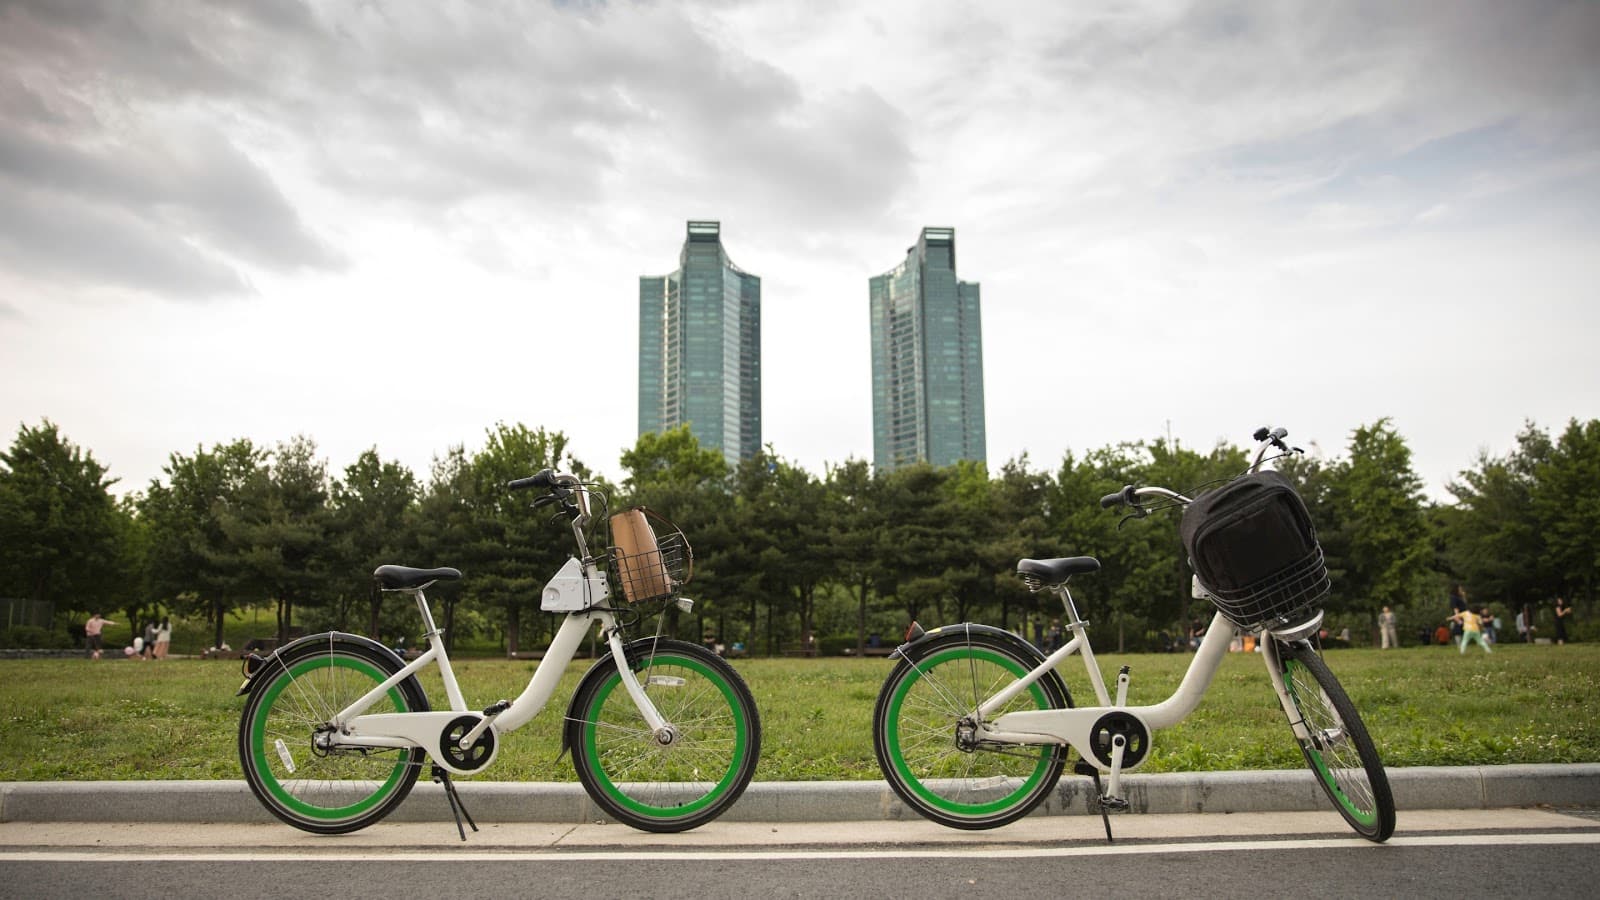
106	179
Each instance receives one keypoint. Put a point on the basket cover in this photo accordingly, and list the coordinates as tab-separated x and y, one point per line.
1243	534
638	560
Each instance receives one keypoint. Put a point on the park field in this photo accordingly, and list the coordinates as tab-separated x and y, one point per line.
75	719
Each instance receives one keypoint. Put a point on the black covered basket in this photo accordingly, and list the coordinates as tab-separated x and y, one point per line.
1255	551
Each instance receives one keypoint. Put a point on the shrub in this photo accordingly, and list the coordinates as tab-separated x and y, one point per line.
32	637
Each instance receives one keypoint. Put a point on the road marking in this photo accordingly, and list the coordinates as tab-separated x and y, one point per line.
691	855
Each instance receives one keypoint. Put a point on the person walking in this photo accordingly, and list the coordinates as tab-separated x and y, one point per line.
93	632
1471	630
1387	629
148	651
1563	610
163	637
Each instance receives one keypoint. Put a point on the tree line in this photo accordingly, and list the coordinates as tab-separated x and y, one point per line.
783	558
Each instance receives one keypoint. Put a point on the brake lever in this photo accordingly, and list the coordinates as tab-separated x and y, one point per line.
1139	512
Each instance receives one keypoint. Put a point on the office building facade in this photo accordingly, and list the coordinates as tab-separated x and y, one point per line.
927	359
700	348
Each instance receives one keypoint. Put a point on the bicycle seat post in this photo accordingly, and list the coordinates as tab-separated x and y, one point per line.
430	631
1065	593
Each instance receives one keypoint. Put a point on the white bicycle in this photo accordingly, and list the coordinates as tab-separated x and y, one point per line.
972	726
664	734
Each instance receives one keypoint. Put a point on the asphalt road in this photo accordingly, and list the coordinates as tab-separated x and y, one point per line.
1448	854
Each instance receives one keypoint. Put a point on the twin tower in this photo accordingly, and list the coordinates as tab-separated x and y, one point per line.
700	353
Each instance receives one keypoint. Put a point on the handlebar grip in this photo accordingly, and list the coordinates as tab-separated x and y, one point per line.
545	478
1116	499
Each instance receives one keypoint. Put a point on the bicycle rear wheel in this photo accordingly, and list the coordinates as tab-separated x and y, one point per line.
921	732
312	787
705	764
1338	750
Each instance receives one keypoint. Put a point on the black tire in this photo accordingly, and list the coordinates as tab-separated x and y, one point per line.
687	783
323	791
914	731
1340	753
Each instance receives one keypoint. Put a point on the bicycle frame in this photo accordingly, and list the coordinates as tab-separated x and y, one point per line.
427	729
1077	726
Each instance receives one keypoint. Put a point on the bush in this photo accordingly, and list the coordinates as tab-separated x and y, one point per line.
32	637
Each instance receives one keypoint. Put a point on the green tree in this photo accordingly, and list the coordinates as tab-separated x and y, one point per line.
786	506
61	534
1566	500
1492	537
445	528
854	525
1376	539
372	514
514	547
1133	564
189	557
916	539
276	532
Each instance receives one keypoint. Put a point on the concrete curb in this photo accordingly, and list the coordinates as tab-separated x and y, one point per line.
1470	787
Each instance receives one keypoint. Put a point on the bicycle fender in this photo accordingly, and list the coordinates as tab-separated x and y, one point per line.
915	650
254	665
912	652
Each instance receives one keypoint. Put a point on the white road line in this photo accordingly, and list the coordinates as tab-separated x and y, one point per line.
157	855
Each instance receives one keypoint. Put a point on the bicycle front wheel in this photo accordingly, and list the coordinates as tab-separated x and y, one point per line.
1338	749
685	777
928	750
288	762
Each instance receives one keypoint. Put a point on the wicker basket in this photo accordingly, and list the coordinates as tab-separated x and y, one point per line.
1285	598
650	557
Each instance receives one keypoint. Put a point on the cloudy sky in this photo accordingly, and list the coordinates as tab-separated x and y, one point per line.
394	224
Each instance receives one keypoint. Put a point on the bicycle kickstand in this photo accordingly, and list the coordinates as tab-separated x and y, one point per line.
457	808
1084	767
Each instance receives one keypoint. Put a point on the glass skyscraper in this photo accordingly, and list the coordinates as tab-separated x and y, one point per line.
700	348
927	359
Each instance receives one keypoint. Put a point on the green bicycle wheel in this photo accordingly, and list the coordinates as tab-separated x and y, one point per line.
676	780
921	718
298	777
1338	749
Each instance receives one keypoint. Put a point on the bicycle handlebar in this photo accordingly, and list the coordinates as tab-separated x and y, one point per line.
1124	497
1130	495
545	478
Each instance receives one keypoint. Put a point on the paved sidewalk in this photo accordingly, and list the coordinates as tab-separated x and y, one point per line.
1428	788
172	840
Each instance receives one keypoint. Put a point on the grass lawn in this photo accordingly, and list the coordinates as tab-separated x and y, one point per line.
178	719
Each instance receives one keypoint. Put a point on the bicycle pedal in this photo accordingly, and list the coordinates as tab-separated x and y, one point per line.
497	709
1113	804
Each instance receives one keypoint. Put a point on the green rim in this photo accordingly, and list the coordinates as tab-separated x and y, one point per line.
897	757
740	745
1368	817
259	752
